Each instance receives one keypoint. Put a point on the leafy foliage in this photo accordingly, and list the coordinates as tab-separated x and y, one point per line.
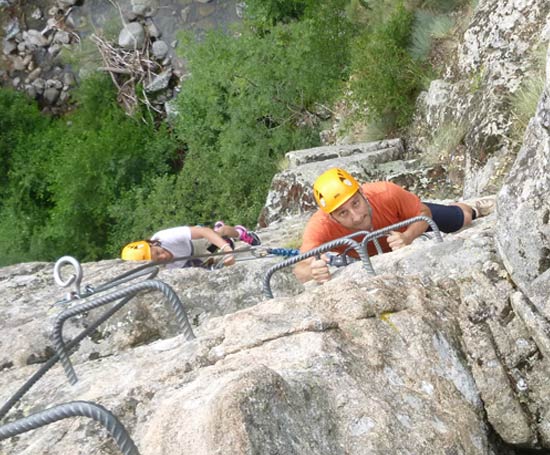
19	117
25	142
63	179
247	103
385	75
266	13
89	182
426	27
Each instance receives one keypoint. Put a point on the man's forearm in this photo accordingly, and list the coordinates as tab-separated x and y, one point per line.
415	230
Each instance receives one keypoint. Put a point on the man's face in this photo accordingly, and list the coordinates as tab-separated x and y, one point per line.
354	214
159	254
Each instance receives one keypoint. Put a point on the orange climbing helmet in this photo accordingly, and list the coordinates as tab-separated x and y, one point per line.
333	188
137	251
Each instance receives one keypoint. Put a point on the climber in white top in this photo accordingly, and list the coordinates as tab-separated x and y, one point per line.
186	241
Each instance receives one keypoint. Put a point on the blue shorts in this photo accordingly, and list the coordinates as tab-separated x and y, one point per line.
449	218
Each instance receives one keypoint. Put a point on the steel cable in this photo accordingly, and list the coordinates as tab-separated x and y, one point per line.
121	280
76	277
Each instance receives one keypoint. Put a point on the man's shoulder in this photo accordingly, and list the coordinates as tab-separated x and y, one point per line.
377	186
320	224
318	218
173	232
381	189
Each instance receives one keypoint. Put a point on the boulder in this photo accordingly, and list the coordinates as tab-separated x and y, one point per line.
144	7
132	36
159	82
160	49
523	234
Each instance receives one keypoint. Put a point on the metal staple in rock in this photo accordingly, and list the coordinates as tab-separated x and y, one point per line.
54	358
375	235
381	232
76	278
362	251
315	252
172	297
73	409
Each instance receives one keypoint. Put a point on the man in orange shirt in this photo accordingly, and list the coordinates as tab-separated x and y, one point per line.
346	207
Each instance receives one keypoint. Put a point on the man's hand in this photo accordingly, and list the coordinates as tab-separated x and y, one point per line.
229	260
397	240
319	269
313	269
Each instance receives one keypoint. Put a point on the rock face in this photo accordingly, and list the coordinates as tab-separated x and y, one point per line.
435	353
28	323
493	58
524	208
445	350
309	374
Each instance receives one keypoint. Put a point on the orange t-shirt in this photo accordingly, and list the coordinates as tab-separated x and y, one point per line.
390	204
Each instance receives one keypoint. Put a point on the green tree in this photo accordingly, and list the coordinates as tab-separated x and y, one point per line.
19	118
26	140
64	179
384	73
102	153
248	101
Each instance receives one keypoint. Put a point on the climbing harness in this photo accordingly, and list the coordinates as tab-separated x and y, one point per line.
339	260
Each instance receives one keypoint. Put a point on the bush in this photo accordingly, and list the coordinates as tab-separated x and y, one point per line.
19	118
248	102
524	100
63	179
428	26
26	139
384	74
267	13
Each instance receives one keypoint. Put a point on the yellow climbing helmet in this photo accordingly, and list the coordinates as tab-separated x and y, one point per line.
334	187
137	251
